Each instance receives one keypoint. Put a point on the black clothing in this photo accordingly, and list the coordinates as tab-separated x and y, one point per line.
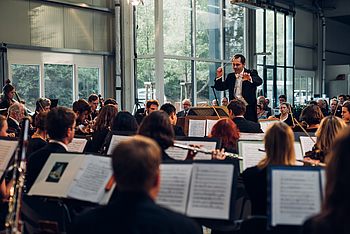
178	131
245	125
182	113
133	213
98	138
288	121
255	182
35	144
248	91
311	226
166	157
37	160
13	127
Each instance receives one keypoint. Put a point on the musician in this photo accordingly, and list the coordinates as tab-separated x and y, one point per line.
7	98
171	111
111	101
335	108
93	101
311	116
14	118
151	105
227	131
124	121
136	163
39	139
61	128
334	214
82	110
241	85
328	130
285	114
41	105
186	105
345	112
237	109
279	147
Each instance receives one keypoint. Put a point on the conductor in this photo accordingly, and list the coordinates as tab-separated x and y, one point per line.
241	85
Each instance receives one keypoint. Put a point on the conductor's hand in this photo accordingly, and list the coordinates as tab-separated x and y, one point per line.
247	77
218	73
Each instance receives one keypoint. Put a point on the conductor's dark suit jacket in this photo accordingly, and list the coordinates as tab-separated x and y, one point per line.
248	91
134	213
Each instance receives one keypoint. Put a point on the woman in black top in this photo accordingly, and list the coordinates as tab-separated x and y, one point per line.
334	215
38	139
279	147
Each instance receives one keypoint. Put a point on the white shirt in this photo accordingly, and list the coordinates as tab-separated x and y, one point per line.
238	85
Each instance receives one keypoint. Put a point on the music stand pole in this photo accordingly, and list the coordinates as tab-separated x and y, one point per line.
216	98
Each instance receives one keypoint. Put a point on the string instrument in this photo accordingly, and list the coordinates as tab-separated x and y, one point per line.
101	100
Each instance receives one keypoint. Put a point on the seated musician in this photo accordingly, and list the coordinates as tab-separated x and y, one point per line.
151	105
327	132
136	164
93	101
171	111
285	114
60	127
41	105
39	139
345	112
14	118
8	93
279	147
334	213
310	118
227	131
82	110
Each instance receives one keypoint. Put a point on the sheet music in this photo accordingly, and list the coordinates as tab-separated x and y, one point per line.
323	181
249	150
210	124
306	143
196	128
264	125
7	148
115	141
295	196
251	136
77	145
210	191
298	152
90	182
174	186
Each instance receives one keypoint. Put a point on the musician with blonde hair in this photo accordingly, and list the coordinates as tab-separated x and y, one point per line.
279	147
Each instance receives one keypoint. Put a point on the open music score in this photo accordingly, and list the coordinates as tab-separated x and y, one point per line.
202	190
77	145
116	139
7	149
306	143
200	127
266	123
78	176
295	194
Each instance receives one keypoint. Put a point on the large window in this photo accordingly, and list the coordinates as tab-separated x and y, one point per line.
198	36
274	44
65	77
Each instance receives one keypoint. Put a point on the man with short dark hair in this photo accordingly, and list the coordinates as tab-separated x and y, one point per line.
171	111
241	84
93	101
82	110
282	98
151	105
60	124
236	110
135	164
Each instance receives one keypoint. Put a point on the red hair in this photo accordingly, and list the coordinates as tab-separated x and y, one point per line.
227	130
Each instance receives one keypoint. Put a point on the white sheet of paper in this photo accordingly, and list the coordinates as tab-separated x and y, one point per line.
298	151
210	191
323	181
174	186
264	125
89	184
7	148
251	136
249	150
296	195
115	141
196	128
77	145
43	187
306	143
210	124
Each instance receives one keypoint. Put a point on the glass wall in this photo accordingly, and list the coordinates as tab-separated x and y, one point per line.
198	37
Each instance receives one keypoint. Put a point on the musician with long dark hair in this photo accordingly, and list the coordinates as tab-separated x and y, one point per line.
335	214
7	98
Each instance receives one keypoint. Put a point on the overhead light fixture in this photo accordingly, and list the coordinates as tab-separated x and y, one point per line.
136	2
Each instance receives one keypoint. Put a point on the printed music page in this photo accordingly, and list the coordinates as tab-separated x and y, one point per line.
196	128
90	182
210	124
250	151
115	141
77	145
244	136
265	124
7	148
177	153
296	195
306	143
57	175
323	181
298	151
174	186
210	191
209	145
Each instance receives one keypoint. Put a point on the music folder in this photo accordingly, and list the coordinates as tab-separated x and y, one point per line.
205	189
295	193
77	176
7	149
